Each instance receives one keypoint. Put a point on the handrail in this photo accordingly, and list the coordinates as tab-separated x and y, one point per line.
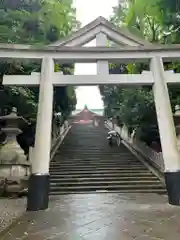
56	141
63	131
154	157
57	134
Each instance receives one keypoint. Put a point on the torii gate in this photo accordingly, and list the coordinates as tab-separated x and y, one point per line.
130	49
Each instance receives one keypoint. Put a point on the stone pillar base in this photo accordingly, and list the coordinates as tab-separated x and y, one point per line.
38	192
172	180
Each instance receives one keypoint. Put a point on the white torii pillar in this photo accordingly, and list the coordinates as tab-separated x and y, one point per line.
167	132
39	182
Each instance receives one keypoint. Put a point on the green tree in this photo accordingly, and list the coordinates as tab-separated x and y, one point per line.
35	22
156	21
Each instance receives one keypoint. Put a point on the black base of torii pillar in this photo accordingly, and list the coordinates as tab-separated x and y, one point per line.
38	192
172	180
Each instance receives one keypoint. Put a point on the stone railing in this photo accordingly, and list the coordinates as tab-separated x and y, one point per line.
155	158
61	133
57	138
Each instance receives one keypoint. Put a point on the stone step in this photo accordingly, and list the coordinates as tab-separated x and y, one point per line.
97	159
59	158
94	164
100	178
80	140
107	187
102	175
86	136
86	163
101	154
96	156
91	148
157	191
110	159
96	167
107	183
98	153
80	171
107	149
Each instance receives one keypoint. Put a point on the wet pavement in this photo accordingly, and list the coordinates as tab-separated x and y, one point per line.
101	216
10	209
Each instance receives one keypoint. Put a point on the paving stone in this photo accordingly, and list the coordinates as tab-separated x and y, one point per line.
101	217
10	209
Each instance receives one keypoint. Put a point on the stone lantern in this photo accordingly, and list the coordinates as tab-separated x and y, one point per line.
177	124
13	163
11	151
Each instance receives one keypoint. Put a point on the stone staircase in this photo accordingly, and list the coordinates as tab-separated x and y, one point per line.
86	163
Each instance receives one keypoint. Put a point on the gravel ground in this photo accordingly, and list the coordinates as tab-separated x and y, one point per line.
10	209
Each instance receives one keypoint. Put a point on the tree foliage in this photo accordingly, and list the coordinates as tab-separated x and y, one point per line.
36	22
158	22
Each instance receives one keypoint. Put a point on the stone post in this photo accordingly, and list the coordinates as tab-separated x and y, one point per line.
167	131
39	183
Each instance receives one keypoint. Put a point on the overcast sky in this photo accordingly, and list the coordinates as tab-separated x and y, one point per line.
87	11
